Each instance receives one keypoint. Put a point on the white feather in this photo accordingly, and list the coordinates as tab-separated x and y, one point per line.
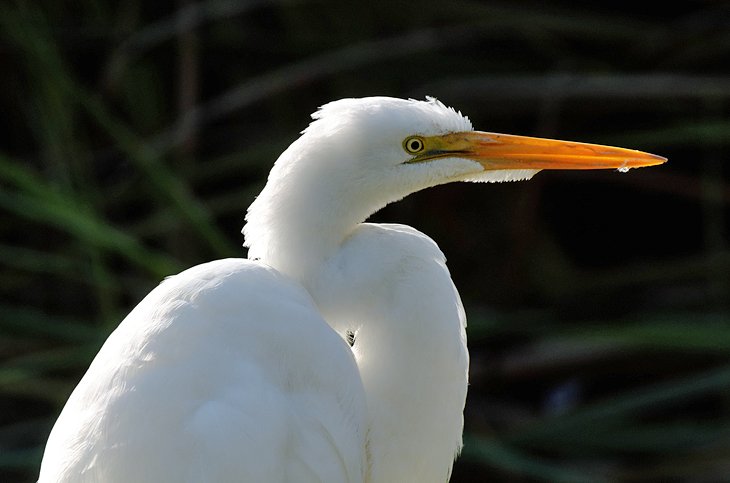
237	370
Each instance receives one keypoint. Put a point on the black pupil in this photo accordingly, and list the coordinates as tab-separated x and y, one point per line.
415	145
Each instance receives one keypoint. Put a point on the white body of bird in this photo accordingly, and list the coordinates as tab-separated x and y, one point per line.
239	370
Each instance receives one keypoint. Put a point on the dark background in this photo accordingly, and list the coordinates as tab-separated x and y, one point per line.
134	134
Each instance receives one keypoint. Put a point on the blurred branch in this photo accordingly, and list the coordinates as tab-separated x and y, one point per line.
705	463
713	210
529	19
501	455
687	133
31	321
659	86
184	19
557	275
670	182
188	73
551	354
674	392
592	342
37	261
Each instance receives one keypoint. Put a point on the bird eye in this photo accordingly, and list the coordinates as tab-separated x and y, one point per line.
413	144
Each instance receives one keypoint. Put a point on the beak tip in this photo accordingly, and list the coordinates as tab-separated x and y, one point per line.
648	159
658	159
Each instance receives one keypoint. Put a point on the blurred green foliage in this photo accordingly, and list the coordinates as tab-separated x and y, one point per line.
135	134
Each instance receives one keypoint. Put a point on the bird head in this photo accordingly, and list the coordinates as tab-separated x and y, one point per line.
388	148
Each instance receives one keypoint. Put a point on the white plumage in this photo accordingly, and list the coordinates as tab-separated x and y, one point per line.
239	371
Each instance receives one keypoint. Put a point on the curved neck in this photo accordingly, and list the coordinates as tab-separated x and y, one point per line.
295	241
297	222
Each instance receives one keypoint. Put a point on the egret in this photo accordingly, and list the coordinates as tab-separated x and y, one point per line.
337	351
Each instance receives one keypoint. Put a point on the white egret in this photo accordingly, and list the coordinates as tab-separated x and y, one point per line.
239	370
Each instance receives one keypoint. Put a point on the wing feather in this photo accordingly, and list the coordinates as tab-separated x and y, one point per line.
225	372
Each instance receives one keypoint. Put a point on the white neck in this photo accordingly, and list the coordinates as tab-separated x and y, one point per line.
297	241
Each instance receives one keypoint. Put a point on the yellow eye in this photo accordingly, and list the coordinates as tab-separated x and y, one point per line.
413	144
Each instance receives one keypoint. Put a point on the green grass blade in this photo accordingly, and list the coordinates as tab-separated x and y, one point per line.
53	208
167	185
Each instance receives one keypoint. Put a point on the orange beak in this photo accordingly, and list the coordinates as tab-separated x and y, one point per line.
504	151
